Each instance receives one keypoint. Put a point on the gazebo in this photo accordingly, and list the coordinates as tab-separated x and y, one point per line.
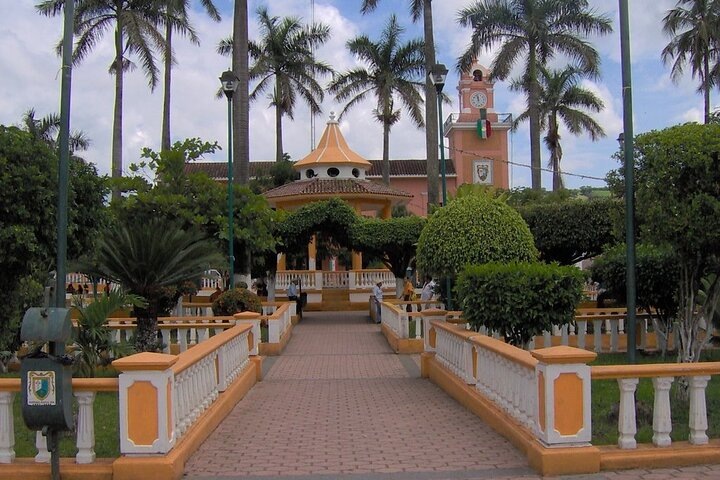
333	170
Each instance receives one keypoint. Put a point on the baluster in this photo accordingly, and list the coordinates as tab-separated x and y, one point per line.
597	335
621	325
7	429
581	331
698	410
643	334
85	428
547	339
613	337
165	339
662	422
564	332
627	424
182	339
43	455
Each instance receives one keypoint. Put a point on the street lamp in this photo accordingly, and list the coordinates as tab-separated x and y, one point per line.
229	83
438	74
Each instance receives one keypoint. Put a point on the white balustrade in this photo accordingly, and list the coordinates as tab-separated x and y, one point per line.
279	322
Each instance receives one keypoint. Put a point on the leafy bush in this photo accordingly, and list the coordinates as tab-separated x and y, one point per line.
570	231
236	300
474	229
657	272
519	300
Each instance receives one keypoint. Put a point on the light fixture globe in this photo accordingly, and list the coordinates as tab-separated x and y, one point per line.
229	83
438	74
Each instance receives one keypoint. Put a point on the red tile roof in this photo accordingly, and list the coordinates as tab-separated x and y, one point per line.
317	186
398	168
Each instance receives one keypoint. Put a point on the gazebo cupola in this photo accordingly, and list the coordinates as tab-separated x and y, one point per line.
332	158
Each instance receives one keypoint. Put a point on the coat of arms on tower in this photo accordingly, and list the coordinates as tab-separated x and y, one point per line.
482	172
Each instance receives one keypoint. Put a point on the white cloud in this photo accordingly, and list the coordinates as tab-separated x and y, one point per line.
692	115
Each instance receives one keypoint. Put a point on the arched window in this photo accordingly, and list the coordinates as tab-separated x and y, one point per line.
477	76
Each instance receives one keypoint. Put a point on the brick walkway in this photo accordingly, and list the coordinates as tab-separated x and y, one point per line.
339	404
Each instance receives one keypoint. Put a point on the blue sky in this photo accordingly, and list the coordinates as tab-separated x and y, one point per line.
31	79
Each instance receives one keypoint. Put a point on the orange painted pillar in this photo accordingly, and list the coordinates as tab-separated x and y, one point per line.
564	399
356	260
281	262
146	408
387	210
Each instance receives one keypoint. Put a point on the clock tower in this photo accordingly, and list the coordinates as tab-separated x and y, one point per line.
478	135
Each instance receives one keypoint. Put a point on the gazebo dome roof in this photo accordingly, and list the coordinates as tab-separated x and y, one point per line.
332	150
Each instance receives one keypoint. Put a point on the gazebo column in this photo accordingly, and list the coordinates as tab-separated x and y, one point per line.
312	253
281	261
357	256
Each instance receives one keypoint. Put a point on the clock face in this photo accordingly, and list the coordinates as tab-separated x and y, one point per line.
478	99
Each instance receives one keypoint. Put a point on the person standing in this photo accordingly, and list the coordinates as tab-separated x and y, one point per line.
378	295
428	291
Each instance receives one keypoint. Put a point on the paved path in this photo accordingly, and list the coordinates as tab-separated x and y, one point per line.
339	404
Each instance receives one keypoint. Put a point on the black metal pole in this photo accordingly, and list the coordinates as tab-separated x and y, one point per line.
231	213
629	179
448	282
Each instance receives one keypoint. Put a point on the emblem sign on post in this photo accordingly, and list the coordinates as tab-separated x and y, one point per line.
41	388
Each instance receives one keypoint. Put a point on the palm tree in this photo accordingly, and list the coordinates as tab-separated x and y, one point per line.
135	24
47	129
151	260
424	8
694	26
241	99
285	55
177	8
560	98
394	71
536	30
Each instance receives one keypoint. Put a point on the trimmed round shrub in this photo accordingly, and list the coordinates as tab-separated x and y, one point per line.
473	230
236	300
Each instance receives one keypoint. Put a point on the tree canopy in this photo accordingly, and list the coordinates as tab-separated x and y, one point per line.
393	240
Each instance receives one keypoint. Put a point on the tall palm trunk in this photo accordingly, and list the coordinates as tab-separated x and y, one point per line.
278	125
431	126
534	117
552	140
706	85
241	102
117	113
165	135
386	153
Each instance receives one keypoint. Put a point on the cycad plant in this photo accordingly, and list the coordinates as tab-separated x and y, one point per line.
93	345
151	260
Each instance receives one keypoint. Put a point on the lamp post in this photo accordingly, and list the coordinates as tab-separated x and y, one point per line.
627	150
229	83
438	74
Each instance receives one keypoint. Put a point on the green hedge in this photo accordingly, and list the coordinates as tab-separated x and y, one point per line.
237	300
519	300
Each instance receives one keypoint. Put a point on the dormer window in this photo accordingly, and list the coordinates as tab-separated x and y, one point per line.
333	172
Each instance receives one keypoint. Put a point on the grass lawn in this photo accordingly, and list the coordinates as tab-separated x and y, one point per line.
606	396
